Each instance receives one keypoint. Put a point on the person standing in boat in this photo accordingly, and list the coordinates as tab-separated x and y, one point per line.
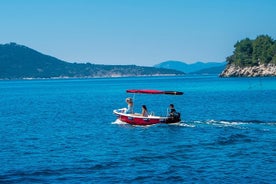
145	111
129	102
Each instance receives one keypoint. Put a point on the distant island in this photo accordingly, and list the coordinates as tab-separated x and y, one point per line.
207	68
252	58
20	62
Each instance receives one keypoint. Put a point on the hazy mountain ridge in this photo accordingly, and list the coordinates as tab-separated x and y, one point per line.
18	61
198	67
210	71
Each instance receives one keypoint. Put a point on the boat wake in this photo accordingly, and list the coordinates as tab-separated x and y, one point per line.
182	124
118	122
231	122
223	123
240	124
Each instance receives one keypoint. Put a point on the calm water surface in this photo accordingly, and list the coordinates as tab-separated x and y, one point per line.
64	131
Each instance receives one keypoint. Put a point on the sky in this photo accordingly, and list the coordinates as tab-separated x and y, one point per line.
140	32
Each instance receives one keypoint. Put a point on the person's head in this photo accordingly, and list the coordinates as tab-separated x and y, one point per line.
144	107
171	106
129	100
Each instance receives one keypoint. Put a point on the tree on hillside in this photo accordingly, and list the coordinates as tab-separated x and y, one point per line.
263	49
243	52
273	48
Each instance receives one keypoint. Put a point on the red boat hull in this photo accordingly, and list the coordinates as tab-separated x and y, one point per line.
135	119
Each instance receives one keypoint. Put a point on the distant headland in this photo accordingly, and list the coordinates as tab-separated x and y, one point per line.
20	62
252	58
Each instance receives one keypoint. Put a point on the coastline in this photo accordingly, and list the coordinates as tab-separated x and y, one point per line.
89	77
261	70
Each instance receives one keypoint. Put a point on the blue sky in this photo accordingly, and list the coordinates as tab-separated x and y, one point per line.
141	32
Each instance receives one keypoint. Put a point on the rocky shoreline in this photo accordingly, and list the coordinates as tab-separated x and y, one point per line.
261	70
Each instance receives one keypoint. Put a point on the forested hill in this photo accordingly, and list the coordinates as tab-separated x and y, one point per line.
248	52
252	58
18	61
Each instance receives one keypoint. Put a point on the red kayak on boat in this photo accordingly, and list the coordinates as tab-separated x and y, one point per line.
150	119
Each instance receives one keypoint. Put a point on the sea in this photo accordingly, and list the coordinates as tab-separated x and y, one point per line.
64	131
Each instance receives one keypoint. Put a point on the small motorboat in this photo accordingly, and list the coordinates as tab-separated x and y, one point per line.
138	119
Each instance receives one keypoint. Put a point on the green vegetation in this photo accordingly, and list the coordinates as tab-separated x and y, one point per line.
18	61
248	52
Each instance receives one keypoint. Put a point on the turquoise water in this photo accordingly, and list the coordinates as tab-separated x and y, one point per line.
64	131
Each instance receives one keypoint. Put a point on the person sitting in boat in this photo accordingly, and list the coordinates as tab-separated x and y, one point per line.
129	102
172	110
173	113
145	111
